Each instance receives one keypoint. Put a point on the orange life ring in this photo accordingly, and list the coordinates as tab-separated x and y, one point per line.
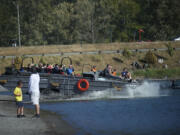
83	81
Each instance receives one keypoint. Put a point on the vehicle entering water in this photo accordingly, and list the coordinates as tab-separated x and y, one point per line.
59	87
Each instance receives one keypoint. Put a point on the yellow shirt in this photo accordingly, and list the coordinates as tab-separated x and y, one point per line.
18	91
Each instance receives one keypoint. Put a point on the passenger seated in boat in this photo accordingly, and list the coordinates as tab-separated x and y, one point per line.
107	71
39	68
36	66
56	69
61	71
29	68
22	69
43	69
49	68
114	72
64	68
70	70
125	74
93	69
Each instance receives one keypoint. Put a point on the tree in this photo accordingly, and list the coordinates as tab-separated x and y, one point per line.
8	22
90	21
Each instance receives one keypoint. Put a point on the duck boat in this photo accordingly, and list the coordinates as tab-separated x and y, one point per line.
70	86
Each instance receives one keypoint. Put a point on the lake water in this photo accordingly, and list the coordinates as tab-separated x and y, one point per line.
141	113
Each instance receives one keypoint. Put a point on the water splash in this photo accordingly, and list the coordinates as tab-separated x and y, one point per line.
147	89
94	95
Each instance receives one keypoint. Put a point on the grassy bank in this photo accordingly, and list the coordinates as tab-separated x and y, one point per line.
158	73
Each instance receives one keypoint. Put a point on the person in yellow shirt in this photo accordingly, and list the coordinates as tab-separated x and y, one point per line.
19	99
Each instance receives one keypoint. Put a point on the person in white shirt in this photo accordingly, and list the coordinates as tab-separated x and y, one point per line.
34	91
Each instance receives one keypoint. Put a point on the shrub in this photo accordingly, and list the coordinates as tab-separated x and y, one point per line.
158	73
150	58
95	58
170	49
126	53
42	60
77	63
17	62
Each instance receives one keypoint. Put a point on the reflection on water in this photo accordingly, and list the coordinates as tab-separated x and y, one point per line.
132	116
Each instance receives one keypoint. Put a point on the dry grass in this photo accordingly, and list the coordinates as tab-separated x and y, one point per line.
5	51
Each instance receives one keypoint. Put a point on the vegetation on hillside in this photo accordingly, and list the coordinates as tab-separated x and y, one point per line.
150	58
170	49
88	21
158	73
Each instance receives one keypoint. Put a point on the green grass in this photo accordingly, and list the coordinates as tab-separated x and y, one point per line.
158	73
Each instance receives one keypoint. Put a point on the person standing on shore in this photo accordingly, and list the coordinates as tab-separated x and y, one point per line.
34	91
19	99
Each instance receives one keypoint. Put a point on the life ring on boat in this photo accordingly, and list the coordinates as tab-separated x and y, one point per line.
86	85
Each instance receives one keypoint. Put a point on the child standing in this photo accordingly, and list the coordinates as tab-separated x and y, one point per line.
19	99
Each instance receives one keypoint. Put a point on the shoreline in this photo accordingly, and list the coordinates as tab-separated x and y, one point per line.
50	123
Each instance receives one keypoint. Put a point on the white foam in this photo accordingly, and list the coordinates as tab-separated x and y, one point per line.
145	90
130	91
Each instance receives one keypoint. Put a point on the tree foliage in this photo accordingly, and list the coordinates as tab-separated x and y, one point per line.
88	21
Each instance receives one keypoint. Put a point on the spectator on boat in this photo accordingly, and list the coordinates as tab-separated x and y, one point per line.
93	69
61	71
114	72
70	70
29	68
44	68
56	69
105	72
126	74
34	91
39	68
49	68
108	70
109	73
22	69
64	68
